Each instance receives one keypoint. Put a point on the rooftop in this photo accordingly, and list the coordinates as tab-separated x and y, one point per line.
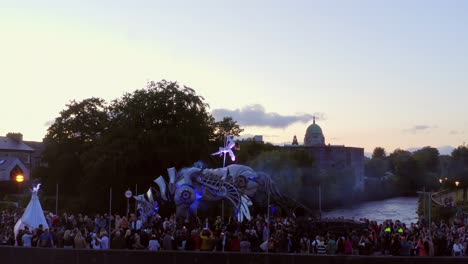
9	144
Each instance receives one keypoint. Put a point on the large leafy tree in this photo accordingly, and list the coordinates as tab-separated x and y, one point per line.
71	135
92	147
458	169
428	159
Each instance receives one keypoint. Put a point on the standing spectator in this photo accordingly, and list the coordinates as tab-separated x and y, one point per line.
321	247
244	245
304	243
207	240
458	248
95	242
80	241
118	242
46	239
405	249
222	243
154	244
348	246
395	245
167	241
235	244
27	237
331	245
67	239
104	240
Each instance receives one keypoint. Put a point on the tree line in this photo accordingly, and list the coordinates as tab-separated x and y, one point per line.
404	173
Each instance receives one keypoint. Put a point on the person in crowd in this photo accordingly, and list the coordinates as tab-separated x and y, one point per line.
207	240
422	248
104	240
244	244
118	242
80	241
405	249
395	245
68	239
222	243
153	244
458	248
304	244
26	238
167	241
331	245
137	241
46	239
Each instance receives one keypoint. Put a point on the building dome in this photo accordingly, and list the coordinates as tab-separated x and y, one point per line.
314	136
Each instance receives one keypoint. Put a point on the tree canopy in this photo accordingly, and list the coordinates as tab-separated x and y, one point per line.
94	145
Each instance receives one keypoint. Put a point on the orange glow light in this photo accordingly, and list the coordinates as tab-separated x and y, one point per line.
19	178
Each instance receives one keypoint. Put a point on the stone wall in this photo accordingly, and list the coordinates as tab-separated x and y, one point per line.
14	255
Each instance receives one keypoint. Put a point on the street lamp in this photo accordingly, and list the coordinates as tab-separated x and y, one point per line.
440	180
19	178
457	183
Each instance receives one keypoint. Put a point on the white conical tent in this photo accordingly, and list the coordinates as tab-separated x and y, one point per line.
33	216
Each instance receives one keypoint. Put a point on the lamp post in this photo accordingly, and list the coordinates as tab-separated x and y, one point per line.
456	185
128	195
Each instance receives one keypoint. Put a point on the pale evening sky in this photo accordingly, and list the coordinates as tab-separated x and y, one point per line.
378	73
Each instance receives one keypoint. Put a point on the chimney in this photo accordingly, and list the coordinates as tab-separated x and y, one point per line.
18	137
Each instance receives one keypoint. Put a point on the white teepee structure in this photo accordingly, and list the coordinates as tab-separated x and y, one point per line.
33	216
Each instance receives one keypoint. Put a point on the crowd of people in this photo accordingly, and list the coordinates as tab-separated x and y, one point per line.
276	235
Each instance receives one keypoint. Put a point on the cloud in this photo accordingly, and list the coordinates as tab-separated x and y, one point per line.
255	115
419	128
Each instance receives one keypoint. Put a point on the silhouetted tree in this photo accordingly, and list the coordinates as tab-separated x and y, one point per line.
379	153
227	126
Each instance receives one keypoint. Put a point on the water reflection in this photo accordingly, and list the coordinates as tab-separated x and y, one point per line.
400	208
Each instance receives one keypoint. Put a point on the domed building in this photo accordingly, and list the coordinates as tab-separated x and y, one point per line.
314	136
332	158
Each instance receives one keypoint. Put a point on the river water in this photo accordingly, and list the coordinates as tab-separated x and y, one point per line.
400	208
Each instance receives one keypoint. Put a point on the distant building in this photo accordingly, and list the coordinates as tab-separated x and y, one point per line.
17	157
332	157
257	138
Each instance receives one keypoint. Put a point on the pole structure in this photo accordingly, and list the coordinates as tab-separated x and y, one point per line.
320	200
128	207
56	199
224	165
429	212
136	193
110	209
424	202
268	222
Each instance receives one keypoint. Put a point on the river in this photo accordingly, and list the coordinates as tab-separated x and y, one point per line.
399	208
